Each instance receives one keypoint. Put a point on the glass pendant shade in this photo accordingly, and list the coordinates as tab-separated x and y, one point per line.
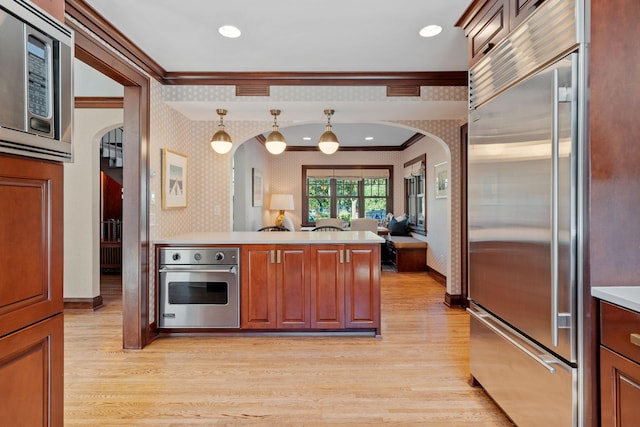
328	142
275	142
221	141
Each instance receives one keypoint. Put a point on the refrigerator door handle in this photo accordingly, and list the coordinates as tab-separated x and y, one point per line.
555	140
545	363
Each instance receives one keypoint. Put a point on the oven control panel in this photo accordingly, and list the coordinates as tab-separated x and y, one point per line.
199	256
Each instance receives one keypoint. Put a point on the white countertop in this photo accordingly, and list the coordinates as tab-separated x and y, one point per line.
285	237
624	296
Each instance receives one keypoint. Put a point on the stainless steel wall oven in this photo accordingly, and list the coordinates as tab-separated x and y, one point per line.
199	288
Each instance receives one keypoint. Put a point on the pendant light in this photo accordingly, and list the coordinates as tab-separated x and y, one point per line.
275	142
221	141
328	143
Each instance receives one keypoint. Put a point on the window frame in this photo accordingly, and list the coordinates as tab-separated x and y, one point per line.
333	196
418	198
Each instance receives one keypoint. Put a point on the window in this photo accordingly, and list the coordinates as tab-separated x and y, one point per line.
414	194
346	192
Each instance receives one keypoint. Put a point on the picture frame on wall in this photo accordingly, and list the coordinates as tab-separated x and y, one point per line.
257	191
174	180
441	180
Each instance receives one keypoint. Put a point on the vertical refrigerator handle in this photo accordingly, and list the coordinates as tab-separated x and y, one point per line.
555	141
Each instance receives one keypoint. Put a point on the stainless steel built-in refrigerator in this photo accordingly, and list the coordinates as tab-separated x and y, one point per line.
523	213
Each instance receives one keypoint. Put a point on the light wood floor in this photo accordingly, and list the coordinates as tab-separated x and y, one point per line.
415	375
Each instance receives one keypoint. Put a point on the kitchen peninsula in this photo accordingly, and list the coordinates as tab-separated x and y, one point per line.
287	281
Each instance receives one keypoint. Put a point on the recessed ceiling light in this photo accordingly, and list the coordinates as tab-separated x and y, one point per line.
368	138
430	31
306	138
229	31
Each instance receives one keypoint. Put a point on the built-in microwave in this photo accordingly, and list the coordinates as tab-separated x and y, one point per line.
36	86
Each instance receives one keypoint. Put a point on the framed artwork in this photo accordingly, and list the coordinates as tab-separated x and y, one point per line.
258	188
442	180
174	180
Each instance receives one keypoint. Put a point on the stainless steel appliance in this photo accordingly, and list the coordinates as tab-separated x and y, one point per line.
36	86
525	179
199	288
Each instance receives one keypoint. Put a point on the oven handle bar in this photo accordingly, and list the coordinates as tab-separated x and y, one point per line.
231	269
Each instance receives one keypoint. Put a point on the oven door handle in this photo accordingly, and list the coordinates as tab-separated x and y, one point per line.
191	270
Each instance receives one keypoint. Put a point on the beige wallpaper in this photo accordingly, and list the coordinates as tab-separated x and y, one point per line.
210	174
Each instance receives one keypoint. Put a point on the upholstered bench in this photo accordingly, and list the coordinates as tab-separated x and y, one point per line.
407	253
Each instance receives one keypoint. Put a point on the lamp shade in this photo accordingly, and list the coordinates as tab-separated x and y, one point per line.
281	202
328	143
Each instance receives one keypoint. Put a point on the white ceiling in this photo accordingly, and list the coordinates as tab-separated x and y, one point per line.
300	36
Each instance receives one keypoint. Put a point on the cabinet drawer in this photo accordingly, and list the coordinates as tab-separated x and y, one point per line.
617	324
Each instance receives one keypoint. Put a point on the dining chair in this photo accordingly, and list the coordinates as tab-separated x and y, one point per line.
335	222
327	228
364	224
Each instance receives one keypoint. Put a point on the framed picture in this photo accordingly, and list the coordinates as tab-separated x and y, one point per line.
174	180
441	180
257	190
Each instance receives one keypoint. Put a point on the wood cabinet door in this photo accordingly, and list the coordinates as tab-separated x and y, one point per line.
293	297
258	287
327	286
620	390
521	9
488	28
30	241
362	286
31	375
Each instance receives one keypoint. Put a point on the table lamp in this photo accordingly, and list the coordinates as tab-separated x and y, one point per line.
281	202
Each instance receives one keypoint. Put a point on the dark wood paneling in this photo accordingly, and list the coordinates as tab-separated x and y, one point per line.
99	102
613	117
94	22
135	246
452	300
437	276
426	78
31	241
31	375
613	234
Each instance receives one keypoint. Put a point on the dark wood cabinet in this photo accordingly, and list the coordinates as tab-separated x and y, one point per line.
521	9
31	304
619	366
258	287
310	287
274	287
485	25
31	374
362	287
327	286
292	285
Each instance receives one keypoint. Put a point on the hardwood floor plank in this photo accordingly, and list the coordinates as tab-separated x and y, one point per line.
416	374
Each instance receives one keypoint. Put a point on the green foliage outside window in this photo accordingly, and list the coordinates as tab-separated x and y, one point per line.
347	198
